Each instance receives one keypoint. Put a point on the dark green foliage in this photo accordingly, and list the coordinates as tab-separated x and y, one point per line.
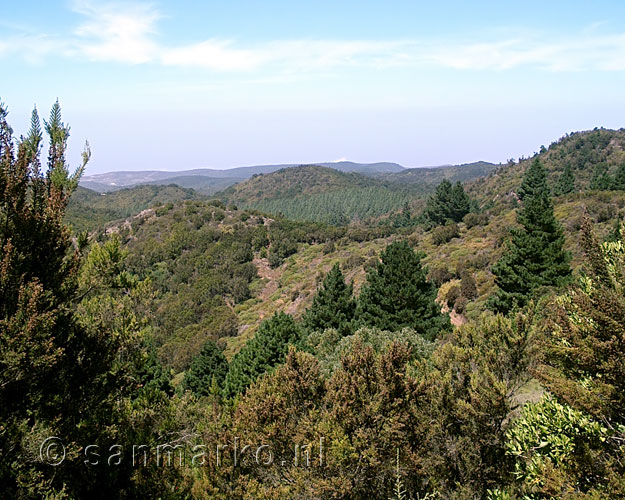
316	193
397	294
208	367
574	443
403	218
428	177
453	294
449	202
197	268
534	256
534	183
153	377
460	419
60	374
460	304
333	305
281	248
589	373
601	179
263	352
619	178
618	231
566	182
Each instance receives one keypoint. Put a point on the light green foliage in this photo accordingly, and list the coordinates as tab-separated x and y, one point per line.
337	207
550	437
444	234
399	492
330	346
88	210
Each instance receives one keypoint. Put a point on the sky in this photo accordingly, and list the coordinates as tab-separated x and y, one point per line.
181	85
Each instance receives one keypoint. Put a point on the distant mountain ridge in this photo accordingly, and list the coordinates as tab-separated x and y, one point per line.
209	180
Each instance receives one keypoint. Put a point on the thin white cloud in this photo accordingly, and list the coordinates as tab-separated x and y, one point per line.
294	55
586	53
127	33
117	32
216	55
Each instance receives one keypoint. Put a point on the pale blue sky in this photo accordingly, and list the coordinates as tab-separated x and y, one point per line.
178	85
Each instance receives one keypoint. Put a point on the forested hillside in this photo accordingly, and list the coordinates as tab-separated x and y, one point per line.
88	209
428	177
317	193
581	161
466	347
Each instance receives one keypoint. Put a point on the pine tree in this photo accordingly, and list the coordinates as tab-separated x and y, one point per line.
460	203
566	181
208	367
333	306
601	179
266	350
619	178
397	294
534	255
448	202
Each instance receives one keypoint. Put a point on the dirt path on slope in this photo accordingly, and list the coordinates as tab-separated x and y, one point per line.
271	275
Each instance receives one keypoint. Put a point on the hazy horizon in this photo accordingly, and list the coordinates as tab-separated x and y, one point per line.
158	86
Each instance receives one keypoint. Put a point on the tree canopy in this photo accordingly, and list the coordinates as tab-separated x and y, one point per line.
449	202
333	306
534	256
397	294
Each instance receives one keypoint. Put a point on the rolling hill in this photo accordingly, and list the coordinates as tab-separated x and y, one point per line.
207	180
589	154
317	193
88	209
434	175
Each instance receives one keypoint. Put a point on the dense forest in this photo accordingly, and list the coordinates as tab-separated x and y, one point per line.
463	342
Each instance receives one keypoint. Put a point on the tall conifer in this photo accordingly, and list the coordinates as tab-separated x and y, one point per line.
534	254
333	306
566	181
397	294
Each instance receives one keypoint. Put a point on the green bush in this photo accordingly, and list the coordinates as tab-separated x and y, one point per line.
444	234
